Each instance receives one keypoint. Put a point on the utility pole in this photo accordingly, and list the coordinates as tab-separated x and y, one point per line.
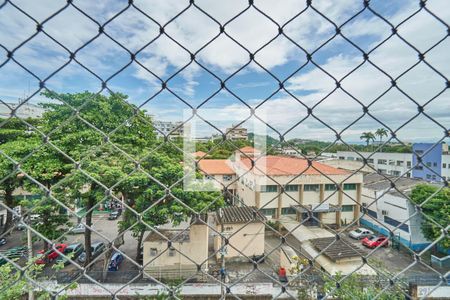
30	255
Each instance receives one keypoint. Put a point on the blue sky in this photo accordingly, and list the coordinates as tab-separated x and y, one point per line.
193	29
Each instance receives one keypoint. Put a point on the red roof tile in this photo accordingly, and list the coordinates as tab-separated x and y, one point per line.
215	167
282	165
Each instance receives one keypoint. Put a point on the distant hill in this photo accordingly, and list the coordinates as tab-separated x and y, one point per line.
269	140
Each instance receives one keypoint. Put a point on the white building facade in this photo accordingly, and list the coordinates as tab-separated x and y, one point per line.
390	213
395	164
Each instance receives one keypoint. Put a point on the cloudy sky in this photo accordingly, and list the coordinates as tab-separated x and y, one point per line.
249	30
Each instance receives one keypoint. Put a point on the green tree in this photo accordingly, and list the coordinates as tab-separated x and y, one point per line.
368	137
381	132
103	120
14	285
437	208
359	287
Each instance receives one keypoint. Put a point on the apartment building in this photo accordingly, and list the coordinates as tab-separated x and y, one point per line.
434	165
168	128
236	133
387	208
435	157
288	186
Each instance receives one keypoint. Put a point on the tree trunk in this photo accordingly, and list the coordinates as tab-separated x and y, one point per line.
9	201
87	234
139	244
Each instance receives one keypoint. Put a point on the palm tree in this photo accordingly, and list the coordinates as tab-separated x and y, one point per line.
380	133
367	136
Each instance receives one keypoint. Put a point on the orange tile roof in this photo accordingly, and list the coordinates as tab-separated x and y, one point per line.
248	149
215	167
199	154
283	165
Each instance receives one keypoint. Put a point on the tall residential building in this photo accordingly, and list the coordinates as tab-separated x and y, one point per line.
236	133
168	128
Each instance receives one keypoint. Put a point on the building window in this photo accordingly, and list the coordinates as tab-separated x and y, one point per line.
311	187
171	251
226	177
288	211
349	186
395	223
400	163
330	187
347	207
428	164
396	173
392	162
428	176
444	165
381	171
408	164
269	188
370	160
434	164
434	177
418	167
291	188
372	213
209	177
382	162
153	251
408	175
270	212
342	157
350	158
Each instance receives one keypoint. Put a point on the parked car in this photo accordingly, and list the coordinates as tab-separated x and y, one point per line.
13	253
96	249
375	241
73	251
113	215
79	228
360	233
51	255
116	260
2	241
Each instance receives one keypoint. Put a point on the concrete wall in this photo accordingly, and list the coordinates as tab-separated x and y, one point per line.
248	239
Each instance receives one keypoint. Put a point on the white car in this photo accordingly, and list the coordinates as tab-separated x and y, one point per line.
79	228
360	233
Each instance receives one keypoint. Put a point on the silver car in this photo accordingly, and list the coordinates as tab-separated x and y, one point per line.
79	228
360	233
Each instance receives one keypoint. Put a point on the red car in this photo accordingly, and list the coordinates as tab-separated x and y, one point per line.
52	255
375	241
